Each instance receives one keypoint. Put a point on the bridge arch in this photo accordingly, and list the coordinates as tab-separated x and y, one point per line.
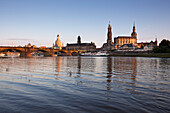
63	53
40	52
74	53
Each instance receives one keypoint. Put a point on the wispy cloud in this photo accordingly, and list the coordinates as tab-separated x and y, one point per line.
18	39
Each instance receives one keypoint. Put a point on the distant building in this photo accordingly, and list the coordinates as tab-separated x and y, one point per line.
124	42
109	45
121	40
81	46
148	48
28	45
57	43
127	47
151	43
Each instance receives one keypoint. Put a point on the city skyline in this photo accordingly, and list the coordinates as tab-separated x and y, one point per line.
39	22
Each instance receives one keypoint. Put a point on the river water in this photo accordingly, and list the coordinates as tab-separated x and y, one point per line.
84	85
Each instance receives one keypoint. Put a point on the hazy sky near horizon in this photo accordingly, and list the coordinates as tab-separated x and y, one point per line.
39	21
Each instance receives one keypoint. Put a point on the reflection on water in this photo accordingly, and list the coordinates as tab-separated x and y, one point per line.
84	84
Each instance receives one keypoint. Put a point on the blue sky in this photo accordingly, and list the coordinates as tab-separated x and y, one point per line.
39	21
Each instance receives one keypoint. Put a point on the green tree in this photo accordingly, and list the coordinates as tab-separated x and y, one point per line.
164	42
164	47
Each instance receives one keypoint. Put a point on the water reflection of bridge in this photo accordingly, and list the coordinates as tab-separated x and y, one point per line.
27	51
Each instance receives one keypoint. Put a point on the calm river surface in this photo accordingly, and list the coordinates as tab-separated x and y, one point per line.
84	84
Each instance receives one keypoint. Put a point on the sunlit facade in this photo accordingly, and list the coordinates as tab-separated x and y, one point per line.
121	40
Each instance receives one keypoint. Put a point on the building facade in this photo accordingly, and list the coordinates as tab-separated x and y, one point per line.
121	40
84	47
151	43
126	42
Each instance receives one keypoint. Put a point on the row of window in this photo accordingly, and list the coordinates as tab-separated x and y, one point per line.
126	41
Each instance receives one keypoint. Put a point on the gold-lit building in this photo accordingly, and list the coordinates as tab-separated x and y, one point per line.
57	44
125	42
121	40
151	43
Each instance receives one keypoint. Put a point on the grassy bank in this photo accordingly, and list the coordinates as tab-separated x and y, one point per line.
160	55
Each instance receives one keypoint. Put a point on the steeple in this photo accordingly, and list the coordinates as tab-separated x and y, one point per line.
109	34
134	27
109	28
134	34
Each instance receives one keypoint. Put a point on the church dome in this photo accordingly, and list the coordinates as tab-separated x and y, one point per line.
58	42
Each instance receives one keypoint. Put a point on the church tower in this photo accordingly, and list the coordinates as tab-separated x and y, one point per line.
134	34
58	42
79	40
109	35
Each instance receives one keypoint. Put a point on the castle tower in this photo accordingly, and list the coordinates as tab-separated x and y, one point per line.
109	35
58	42
79	40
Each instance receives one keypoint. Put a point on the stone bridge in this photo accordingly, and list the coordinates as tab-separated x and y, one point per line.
26	51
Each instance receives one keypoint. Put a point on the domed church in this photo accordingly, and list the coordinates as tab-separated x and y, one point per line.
57	43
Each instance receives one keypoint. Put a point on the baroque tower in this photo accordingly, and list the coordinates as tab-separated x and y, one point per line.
134	34
109	35
58	42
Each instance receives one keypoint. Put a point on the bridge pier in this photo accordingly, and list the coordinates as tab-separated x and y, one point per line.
68	53
48	54
26	53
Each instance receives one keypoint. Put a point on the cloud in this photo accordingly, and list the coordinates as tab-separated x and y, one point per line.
18	39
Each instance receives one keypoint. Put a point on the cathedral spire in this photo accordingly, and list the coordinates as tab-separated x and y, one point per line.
109	34
134	34
134	30
109	26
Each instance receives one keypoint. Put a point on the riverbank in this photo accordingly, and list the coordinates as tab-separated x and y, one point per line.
160	55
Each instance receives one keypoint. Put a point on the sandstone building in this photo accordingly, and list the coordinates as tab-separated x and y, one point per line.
121	40
124	42
151	43
57	44
84	47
